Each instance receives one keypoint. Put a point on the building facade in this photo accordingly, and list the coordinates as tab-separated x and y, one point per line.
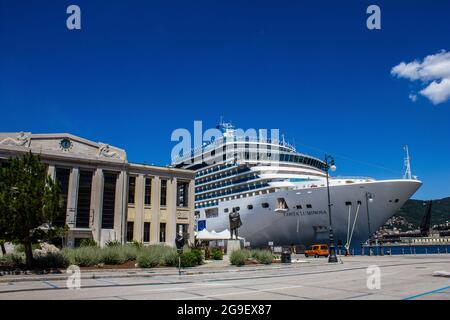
107	198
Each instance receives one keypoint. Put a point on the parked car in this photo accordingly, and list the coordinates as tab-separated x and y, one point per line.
317	250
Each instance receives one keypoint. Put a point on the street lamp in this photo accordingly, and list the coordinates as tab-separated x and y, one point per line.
329	164
369	198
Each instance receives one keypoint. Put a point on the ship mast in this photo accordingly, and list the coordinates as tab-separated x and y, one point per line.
407	174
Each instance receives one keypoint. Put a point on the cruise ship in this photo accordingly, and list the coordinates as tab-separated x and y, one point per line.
281	194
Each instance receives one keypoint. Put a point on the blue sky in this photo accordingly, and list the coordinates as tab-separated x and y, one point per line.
137	70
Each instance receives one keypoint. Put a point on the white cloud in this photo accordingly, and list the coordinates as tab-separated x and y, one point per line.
437	92
413	97
433	71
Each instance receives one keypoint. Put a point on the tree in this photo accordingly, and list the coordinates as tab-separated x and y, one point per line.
29	203
2	245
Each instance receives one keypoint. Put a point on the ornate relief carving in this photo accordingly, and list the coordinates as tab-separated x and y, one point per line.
22	140
105	151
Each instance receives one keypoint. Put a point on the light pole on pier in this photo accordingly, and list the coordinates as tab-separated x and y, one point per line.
329	164
369	198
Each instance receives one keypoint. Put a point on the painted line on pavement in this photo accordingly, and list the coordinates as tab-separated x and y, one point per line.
427	293
239	293
54	286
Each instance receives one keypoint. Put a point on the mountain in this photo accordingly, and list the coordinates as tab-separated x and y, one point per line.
410	215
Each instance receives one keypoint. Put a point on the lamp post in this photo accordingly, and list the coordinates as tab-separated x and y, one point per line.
329	164
369	198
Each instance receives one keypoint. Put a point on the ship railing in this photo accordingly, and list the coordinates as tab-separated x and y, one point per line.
211	145
352	178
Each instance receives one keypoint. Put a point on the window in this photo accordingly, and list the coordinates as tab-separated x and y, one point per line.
109	200
225	210
212	213
183	228
148	192
162	232
182	194
163	200
265	205
397	200
63	176
348	203
131	189
84	199
146	231
299	206
250	207
309	206
130	227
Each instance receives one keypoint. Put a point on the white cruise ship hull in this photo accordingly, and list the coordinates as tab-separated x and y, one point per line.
309	223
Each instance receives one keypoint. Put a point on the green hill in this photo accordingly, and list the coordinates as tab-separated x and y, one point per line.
414	210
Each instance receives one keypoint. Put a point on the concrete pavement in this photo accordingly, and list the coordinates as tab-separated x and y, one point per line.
401	277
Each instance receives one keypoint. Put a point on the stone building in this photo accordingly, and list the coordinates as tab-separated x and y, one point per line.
105	196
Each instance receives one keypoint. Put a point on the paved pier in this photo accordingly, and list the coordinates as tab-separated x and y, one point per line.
402	277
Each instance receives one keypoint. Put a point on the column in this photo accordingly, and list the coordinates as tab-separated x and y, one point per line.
72	197
139	208
119	210
171	211
191	204
154	222
96	205
52	171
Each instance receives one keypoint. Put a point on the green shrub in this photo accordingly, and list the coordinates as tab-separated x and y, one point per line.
19	248
216	254
248	253
238	257
51	261
12	260
263	256
155	255
83	256
148	259
170	258
113	243
207	253
137	244
130	252
88	243
113	255
198	256
189	259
